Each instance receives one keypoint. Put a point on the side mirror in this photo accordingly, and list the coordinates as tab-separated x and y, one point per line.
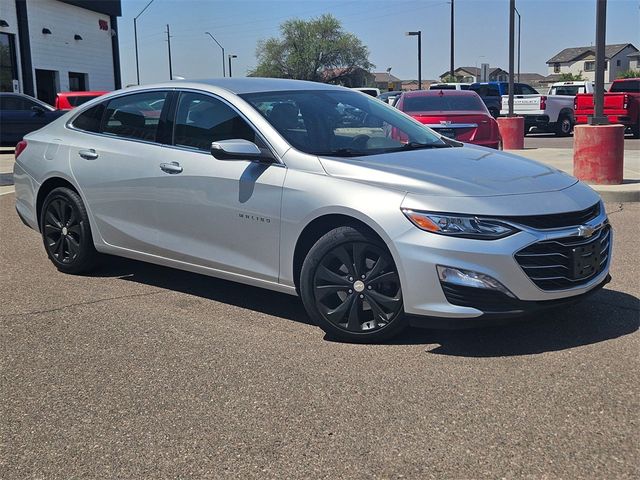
239	149
38	110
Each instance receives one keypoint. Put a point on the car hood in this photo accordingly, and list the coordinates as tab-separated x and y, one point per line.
466	171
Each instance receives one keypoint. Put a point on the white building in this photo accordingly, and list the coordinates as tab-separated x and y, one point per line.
50	46
582	60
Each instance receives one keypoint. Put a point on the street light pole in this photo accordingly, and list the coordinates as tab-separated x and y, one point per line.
512	17
169	49
419	35
451	65
519	19
224	73
230	57
598	97
135	38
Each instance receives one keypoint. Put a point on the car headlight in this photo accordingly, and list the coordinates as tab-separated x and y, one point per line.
464	226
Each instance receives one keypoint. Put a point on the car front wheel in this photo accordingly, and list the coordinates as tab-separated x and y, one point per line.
350	286
65	232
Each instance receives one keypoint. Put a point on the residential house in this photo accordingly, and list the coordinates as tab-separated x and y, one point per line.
472	74
411	85
582	61
634	61
348	77
386	82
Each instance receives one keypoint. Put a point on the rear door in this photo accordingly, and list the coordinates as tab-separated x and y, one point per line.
116	155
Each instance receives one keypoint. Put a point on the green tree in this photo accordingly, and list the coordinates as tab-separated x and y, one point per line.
629	74
449	79
317	50
570	77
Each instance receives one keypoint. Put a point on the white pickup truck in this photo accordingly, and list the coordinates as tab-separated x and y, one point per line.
552	112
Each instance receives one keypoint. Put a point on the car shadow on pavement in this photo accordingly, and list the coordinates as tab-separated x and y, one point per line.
606	315
223	291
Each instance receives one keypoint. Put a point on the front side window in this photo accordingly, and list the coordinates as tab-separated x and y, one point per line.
202	119
135	116
340	123
589	66
556	68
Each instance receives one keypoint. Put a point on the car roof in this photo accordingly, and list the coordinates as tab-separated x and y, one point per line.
438	92
243	85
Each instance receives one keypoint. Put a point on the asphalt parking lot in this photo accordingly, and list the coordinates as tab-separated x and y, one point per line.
550	140
140	371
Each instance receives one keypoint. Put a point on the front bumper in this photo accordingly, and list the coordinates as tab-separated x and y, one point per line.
424	295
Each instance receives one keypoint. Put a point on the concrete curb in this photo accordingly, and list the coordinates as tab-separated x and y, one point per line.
618	193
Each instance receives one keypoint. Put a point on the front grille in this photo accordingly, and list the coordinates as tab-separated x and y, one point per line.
568	262
556	220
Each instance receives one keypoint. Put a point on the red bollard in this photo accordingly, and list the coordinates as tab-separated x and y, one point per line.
598	153
512	132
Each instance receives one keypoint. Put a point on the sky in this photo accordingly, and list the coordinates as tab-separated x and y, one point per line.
481	32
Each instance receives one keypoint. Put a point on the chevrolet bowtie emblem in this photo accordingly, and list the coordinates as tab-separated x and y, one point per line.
586	231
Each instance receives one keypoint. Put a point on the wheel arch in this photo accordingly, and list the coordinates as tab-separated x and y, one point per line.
321	225
47	186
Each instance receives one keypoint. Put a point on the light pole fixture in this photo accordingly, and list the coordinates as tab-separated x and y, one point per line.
389	79
419	35
519	19
135	39
224	74
230	57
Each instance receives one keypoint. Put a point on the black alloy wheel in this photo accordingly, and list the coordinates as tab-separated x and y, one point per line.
65	232
354	286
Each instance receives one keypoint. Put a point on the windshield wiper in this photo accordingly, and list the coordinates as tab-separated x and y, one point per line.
418	145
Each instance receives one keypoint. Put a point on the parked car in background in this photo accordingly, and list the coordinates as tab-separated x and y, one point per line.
374	92
449	86
491	93
21	114
621	105
456	114
69	100
571	88
390	97
304	201
547	113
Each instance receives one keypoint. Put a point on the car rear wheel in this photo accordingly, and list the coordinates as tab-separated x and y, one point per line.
564	126
65	232
350	286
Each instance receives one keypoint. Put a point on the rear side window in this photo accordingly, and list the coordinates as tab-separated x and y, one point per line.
631	86
90	120
134	116
202	119
437	103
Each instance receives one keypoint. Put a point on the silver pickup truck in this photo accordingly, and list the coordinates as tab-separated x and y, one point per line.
552	112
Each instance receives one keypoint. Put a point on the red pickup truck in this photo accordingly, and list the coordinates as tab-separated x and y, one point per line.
621	105
69	100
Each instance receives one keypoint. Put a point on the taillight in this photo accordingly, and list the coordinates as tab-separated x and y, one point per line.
20	146
626	102
543	102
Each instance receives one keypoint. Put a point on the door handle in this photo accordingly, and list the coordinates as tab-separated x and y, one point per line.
88	154
173	167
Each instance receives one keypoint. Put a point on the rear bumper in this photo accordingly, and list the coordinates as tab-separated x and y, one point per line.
581	119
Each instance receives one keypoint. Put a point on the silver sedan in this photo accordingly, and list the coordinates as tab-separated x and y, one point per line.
315	190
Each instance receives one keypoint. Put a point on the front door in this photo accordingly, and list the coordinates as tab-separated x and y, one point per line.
220	214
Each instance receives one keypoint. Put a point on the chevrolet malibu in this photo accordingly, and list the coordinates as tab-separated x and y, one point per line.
314	190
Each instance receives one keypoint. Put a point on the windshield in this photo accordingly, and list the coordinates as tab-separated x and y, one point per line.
341	123
440	103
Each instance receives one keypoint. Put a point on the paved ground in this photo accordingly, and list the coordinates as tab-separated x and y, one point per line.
549	140
144	372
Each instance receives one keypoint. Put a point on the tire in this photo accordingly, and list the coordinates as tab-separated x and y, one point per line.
66	233
350	287
564	126
635	130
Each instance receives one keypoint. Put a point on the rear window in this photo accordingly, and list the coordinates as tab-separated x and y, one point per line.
631	86
486	90
438	103
571	90
80	99
442	87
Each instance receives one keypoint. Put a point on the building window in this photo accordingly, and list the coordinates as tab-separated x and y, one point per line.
589	66
618	63
77	82
556	68
8	72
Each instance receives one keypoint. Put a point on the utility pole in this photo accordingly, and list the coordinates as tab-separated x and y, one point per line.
598	97
512	18
169	47
451	66
135	39
519	22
